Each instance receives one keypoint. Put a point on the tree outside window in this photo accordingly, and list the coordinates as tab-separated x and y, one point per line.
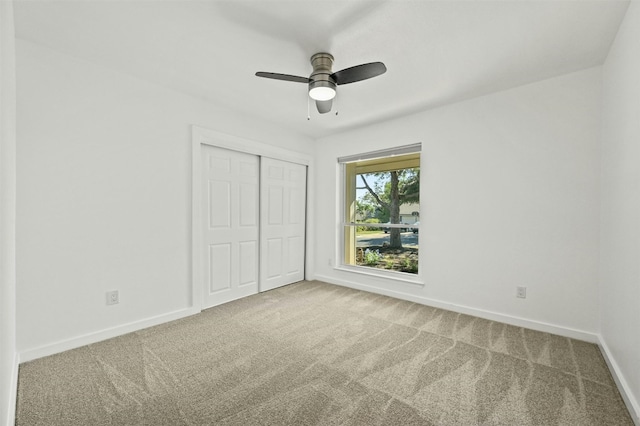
382	213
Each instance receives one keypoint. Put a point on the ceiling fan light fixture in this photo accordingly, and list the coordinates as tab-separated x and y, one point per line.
323	82
322	90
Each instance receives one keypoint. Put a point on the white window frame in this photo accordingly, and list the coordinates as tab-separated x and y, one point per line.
406	277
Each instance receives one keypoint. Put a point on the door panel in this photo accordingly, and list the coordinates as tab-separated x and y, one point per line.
283	189
275	200
230	220
297	206
248	206
295	259
219	204
249	254
219	267
274	266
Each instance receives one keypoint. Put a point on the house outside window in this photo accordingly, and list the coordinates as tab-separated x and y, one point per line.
381	219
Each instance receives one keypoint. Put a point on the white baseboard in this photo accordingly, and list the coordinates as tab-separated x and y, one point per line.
13	393
632	404
493	316
86	339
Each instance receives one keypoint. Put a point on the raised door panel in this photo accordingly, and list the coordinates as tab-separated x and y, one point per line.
295	258
219	273
219	204
249	270
273	258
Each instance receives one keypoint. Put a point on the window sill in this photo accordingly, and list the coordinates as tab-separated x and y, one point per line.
380	273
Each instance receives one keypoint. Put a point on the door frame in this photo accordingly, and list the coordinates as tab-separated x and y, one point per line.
203	136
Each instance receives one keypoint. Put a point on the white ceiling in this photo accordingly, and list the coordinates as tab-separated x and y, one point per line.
436	52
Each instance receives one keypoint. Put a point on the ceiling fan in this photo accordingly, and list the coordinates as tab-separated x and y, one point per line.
322	81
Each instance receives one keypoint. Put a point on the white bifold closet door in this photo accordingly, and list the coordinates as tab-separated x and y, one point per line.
282	221
231	218
253	216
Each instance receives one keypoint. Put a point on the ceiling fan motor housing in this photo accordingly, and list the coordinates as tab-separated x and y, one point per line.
321	75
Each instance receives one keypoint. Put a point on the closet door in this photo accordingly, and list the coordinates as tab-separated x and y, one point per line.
282	220
230	218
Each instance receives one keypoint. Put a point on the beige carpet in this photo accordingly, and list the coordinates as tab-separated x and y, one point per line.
314	353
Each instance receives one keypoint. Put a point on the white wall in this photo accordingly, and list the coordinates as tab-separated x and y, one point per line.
620	207
8	354
104	197
509	198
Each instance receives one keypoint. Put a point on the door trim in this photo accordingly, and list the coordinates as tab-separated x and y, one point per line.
202	136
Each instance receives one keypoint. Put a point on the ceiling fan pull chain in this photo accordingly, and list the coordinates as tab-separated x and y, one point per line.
308	115
336	99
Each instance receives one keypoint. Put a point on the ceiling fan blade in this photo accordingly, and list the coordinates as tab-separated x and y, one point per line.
324	106
359	73
285	77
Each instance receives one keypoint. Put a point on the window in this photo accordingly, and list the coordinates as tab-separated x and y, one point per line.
382	210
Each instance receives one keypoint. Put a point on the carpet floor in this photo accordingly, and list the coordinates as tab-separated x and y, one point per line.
314	353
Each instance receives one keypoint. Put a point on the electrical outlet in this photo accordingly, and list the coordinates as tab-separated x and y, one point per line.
521	292
112	297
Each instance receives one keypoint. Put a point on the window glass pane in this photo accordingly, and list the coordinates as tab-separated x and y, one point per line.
372	249
382	213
